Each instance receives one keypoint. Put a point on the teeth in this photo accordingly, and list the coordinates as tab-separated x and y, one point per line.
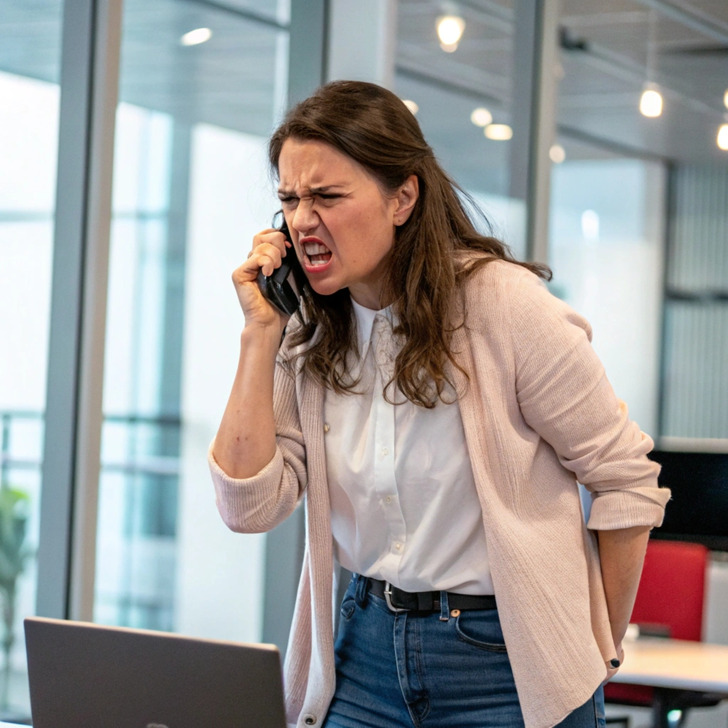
315	249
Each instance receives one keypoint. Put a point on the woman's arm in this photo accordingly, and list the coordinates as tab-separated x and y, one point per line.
622	553
246	439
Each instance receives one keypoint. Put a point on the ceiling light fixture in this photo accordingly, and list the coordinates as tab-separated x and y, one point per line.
651	99
411	105
722	138
725	99
557	153
196	36
498	132
450	29
481	116
651	102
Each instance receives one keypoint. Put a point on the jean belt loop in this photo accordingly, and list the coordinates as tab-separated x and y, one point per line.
444	607
362	587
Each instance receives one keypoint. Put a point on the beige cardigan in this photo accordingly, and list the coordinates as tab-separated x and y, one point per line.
539	414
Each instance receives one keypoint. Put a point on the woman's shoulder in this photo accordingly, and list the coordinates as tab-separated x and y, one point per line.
494	280
501	292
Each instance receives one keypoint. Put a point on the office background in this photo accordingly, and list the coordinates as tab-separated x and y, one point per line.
133	175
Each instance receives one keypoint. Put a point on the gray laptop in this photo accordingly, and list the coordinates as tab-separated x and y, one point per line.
84	675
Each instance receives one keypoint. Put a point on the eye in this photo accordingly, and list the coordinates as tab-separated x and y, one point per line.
288	201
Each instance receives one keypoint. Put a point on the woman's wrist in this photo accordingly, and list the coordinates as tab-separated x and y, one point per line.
258	334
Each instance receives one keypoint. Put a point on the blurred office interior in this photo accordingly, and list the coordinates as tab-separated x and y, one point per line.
133	175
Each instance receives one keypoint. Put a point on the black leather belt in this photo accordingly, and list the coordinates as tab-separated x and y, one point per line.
402	601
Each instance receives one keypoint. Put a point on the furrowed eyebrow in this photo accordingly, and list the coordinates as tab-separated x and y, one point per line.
311	190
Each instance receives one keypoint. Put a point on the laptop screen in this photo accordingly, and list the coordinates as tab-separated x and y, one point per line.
84	674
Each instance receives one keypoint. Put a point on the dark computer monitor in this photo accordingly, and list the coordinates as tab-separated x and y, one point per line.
698	510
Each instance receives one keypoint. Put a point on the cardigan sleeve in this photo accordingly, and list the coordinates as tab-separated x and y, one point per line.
565	396
261	502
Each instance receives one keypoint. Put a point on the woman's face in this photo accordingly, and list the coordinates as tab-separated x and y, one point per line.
342	224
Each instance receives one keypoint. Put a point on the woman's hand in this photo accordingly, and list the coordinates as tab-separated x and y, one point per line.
269	248
611	669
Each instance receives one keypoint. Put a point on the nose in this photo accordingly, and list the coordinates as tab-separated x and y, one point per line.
305	217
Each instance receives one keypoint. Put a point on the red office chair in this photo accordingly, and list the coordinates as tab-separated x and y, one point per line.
669	603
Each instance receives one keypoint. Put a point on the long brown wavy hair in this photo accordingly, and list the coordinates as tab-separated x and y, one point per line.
374	127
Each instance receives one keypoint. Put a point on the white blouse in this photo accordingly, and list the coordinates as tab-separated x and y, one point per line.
403	499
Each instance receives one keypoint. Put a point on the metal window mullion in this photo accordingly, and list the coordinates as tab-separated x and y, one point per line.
307	59
533	115
667	317
71	451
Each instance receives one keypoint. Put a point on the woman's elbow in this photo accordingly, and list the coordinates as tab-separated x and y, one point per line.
258	520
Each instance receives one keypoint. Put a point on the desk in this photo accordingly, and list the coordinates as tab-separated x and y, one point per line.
672	667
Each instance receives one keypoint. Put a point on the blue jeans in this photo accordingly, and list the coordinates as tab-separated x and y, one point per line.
415	670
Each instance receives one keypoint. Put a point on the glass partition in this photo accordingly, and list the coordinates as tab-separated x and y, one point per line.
695	400
606	252
29	89
462	96
191	187
619	264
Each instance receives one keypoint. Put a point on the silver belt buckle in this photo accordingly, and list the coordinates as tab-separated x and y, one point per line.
388	598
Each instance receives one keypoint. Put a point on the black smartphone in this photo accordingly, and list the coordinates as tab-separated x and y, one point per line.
283	288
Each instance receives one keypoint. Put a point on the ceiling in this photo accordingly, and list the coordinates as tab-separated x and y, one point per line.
237	81
603	62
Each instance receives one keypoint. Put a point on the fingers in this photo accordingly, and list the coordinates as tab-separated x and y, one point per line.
269	249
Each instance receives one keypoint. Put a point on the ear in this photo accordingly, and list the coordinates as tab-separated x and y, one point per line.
407	196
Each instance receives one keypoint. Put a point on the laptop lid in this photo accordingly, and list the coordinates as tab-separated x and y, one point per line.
83	674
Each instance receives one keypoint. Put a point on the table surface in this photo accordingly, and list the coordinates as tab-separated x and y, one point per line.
679	664
663	663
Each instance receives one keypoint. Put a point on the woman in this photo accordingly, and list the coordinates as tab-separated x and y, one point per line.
435	407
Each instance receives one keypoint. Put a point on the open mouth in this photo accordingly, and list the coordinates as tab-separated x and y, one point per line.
317	254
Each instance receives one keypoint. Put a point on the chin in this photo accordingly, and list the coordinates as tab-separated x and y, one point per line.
325	288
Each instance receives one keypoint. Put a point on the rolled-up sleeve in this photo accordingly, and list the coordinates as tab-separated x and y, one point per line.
564	394
257	504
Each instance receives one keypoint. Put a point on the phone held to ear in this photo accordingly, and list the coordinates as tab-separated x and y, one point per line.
283	288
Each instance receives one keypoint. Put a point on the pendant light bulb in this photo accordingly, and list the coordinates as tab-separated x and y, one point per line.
651	99
651	102
722	140
481	116
450	30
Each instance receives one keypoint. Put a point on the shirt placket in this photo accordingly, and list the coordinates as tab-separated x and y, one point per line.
384	438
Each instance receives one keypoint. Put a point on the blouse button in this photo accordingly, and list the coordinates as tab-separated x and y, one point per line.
310	720
326	429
